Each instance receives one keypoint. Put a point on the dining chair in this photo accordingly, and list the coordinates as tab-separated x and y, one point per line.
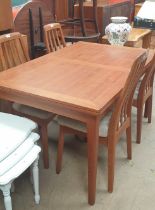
112	125
18	151
54	38
12	53
143	95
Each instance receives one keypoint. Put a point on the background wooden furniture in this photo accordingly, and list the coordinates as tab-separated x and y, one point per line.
54	91
76	26
136	35
137	8
58	8
106	10
22	23
62	9
6	18
50	4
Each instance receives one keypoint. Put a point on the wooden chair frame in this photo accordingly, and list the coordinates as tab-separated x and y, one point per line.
54	38
11	48
12	45
145	95
120	121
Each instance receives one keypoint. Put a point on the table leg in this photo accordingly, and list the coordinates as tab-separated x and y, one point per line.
146	41
93	139
5	106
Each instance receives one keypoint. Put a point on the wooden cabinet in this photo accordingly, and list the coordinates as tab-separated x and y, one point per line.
6	19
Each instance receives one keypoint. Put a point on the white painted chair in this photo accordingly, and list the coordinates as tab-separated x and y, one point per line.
18	151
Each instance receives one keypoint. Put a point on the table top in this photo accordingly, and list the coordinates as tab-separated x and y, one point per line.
59	79
101	54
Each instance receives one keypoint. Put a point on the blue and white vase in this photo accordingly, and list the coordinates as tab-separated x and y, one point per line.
118	31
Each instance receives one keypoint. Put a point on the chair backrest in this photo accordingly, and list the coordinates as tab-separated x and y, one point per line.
54	38
12	51
121	115
147	82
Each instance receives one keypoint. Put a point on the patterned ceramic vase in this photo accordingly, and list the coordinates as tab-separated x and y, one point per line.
118	31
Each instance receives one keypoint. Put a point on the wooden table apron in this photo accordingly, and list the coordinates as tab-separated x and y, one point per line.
48	83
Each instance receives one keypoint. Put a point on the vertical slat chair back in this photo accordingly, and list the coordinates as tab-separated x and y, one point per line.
147	82
12	51
54	38
122	111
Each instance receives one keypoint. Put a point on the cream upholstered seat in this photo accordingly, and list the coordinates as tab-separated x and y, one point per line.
79	126
32	111
137	89
18	151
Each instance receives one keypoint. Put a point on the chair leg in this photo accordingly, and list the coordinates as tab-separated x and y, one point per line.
35	172
149	109
129	144
31	174
12	187
44	142
60	150
139	123
111	166
146	109
7	198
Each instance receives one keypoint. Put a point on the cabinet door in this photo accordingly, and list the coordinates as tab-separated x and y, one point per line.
61	9
6	11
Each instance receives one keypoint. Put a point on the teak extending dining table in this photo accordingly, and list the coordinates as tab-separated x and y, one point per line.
79	82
